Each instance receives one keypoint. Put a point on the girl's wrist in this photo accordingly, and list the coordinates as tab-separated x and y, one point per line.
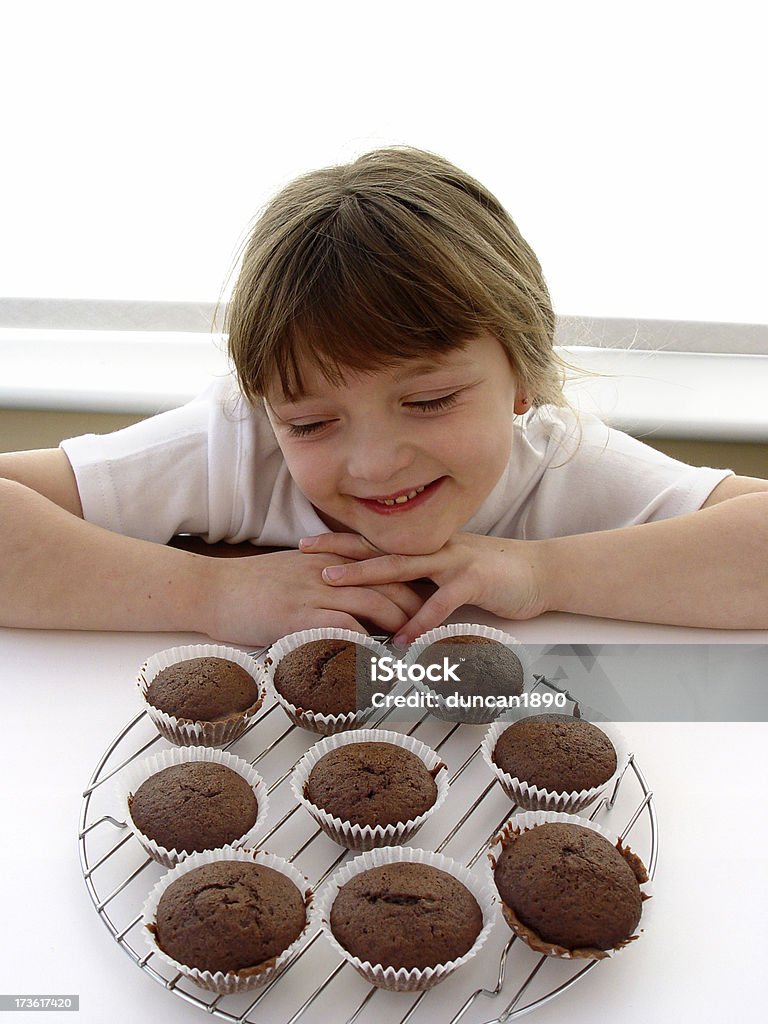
521	578
547	574
200	600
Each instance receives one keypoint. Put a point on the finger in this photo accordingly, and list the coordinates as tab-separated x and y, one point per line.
433	612
370	605
403	596
320	539
381	569
349	545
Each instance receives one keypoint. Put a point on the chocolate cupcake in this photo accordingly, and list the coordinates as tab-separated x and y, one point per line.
406	915
369	788
321	677
565	888
405	918
201	695
189	799
554	762
228	919
471	673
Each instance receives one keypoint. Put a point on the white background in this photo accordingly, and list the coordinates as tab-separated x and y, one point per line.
626	139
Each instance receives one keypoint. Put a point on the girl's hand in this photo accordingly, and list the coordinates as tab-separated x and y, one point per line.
493	573
258	599
349	545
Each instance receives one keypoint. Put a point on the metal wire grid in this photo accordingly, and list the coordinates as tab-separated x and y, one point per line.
119	875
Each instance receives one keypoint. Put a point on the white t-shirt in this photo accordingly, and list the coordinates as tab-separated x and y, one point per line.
214	468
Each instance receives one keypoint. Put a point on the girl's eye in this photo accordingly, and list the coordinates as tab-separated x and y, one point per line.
435	404
304	429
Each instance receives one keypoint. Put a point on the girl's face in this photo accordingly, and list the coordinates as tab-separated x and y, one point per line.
406	455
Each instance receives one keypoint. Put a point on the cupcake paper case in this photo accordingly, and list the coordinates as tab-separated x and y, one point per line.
306	718
184	732
139	772
230	982
531	819
368	837
532	798
404	979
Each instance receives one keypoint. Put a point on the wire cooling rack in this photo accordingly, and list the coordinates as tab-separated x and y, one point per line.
502	983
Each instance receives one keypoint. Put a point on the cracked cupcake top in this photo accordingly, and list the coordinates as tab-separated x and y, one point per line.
406	915
197	805
229	916
372	783
323	676
566	885
203	690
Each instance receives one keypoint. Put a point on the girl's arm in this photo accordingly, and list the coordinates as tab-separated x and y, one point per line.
707	568
59	572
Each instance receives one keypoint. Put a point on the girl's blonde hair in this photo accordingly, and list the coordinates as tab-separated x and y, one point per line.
396	255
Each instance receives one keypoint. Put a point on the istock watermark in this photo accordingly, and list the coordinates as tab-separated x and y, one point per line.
720	682
456	679
424	700
389	670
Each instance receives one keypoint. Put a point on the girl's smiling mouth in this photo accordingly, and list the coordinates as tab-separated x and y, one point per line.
401	501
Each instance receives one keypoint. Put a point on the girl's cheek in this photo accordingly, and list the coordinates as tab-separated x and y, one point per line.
312	475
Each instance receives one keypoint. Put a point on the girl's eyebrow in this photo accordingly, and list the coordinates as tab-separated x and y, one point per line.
423	367
285	402
404	372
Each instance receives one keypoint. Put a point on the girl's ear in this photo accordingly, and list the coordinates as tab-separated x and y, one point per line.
522	403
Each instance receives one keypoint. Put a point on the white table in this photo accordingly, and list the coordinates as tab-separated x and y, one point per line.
67	694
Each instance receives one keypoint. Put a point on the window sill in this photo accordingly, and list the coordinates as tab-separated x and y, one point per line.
691	395
106	371
707	396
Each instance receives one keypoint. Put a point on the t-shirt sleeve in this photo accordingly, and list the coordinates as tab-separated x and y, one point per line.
149	480
597	478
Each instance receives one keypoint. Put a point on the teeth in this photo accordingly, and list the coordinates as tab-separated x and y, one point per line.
401	500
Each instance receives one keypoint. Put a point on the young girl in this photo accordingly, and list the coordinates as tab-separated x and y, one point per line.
397	414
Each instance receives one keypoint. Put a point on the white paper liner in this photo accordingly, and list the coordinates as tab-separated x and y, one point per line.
187	733
533	798
368	837
469	716
326	725
233	981
138	772
530	819
403	979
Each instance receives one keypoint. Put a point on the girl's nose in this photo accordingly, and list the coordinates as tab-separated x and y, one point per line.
378	455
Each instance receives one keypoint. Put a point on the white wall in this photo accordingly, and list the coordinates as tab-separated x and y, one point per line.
627	139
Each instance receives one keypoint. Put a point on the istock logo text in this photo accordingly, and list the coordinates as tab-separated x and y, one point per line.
387	669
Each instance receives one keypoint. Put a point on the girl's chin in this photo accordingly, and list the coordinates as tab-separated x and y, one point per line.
391	537
409	545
